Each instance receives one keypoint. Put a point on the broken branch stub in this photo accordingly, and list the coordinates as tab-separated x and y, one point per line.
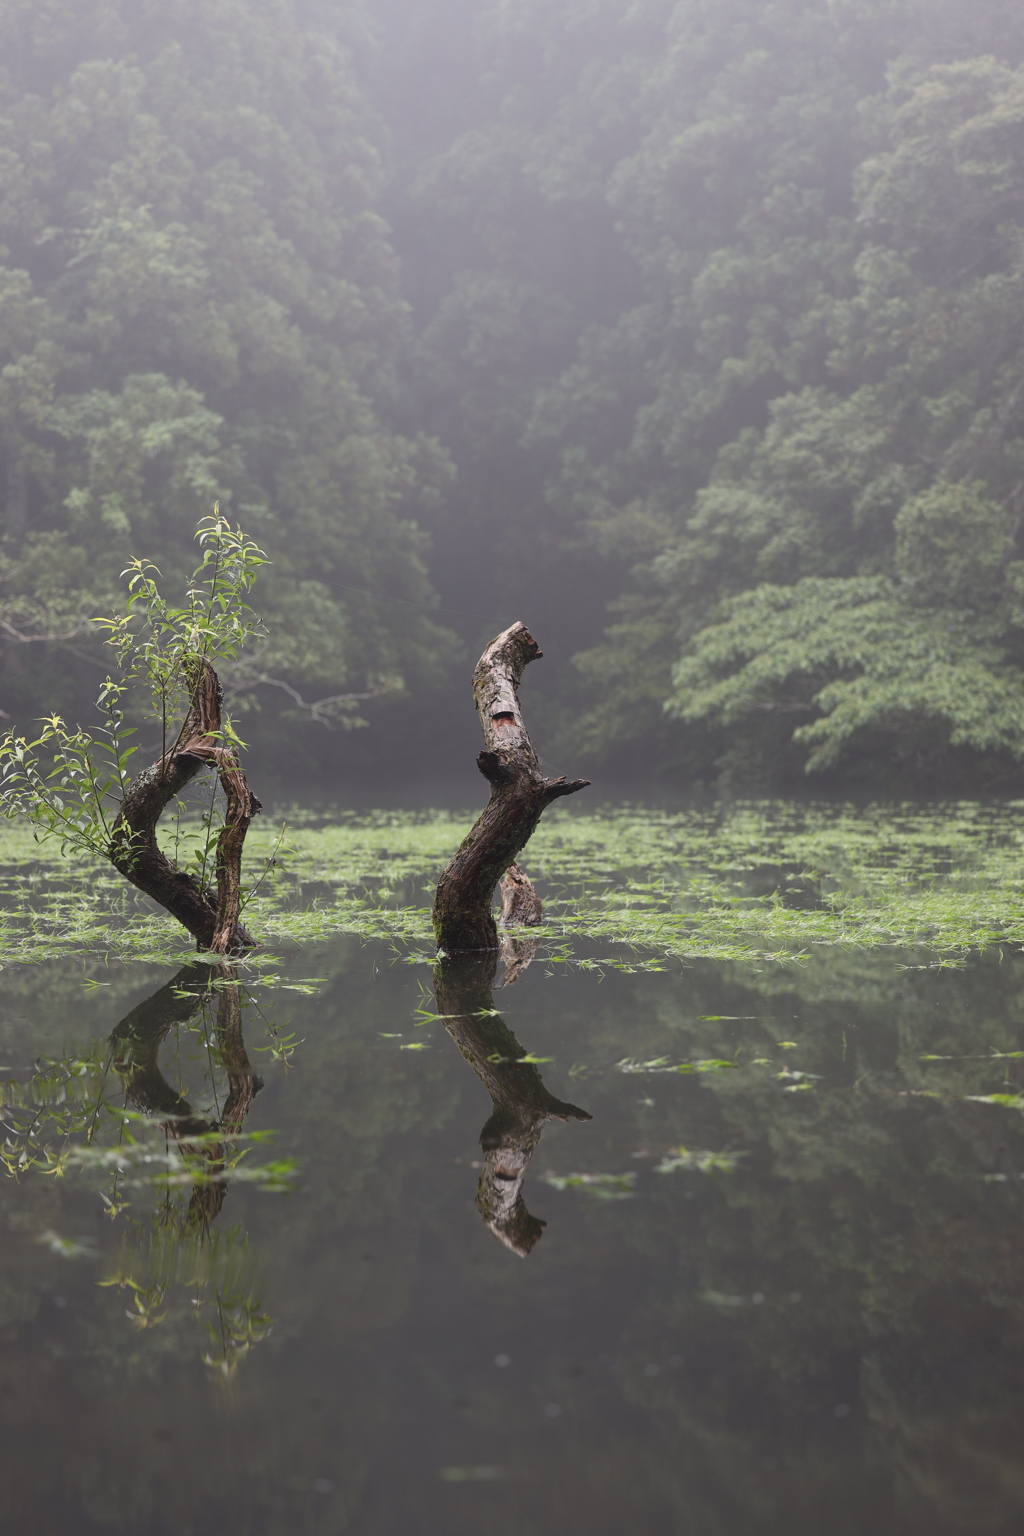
519	796
213	921
520	904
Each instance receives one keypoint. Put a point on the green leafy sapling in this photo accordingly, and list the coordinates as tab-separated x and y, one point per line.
79	785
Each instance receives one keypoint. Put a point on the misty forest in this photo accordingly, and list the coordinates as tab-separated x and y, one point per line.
500	494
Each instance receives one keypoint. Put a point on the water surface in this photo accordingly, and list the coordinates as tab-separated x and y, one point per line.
772	1297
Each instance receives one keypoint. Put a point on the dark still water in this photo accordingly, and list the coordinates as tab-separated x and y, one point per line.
781	1296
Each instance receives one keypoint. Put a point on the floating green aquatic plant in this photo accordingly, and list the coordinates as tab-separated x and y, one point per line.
599	1186
662	1064
699	1162
758	881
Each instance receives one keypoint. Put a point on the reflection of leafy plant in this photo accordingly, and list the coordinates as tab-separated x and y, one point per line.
210	1275
239	1323
67	1120
146	1300
63	1116
599	1186
662	1064
198	1159
798	1082
64	1098
699	1162
281	1048
68	1247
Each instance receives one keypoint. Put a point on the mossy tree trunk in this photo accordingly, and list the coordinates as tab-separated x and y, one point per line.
211	918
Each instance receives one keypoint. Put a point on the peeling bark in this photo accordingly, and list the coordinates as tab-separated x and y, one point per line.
519	796
211	920
520	904
521	1105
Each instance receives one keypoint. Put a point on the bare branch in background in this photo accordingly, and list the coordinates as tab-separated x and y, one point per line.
58	640
319	709
239	677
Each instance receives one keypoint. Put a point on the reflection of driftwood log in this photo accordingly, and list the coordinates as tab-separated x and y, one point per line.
137	1040
521	1103
519	796
212	920
520	908
517	955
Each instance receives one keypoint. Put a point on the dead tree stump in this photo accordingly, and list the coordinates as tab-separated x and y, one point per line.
519	796
212	920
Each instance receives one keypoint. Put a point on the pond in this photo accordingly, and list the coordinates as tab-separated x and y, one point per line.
710	1219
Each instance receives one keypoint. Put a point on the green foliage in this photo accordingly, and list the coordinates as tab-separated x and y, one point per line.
159	645
952	546
758	882
733	297
697	303
68	783
853	652
883	506
199	299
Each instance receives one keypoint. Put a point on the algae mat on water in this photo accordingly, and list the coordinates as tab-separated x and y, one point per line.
754	880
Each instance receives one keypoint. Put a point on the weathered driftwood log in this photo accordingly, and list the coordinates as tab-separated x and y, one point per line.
519	795
212	920
521	1103
136	1045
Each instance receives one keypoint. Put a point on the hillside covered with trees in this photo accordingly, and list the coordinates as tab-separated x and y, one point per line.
692	335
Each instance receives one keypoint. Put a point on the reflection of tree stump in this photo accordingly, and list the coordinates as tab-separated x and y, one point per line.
137	1041
519	796
521	1103
517	955
520	908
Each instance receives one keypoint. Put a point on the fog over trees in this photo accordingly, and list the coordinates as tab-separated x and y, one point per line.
692	335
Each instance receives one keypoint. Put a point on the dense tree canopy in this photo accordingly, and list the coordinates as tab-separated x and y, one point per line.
737	290
199	301
710	313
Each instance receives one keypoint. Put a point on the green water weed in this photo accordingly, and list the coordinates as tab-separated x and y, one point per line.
758	882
